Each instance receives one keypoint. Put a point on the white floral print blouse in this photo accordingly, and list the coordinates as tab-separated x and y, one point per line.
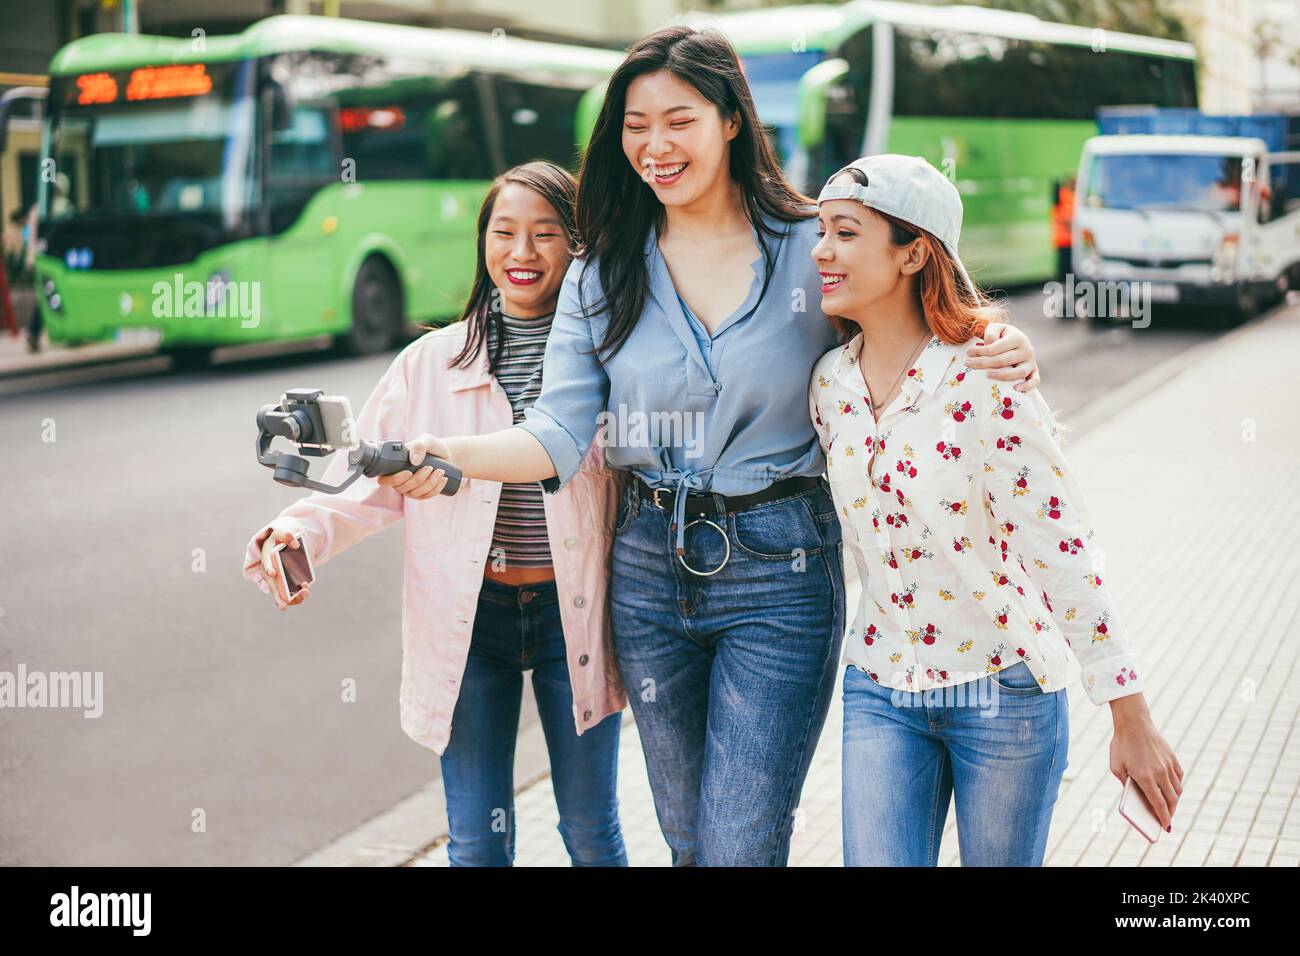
968	530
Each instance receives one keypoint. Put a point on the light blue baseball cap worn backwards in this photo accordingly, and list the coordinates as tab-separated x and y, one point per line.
910	189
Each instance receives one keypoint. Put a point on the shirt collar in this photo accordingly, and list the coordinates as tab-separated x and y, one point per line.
931	366
474	375
925	374
663	292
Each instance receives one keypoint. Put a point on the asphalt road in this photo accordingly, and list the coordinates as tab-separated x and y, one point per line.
120	545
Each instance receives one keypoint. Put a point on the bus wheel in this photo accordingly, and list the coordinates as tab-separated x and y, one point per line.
187	358
376	310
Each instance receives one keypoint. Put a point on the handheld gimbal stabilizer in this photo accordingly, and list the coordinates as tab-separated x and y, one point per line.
319	424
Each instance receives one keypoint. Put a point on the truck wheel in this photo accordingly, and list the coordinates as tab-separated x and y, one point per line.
1278	293
1246	305
376	310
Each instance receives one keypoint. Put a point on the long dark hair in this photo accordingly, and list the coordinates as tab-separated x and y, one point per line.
707	61
482	314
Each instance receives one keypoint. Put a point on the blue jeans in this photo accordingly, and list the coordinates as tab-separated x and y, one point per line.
1000	744
517	629
729	676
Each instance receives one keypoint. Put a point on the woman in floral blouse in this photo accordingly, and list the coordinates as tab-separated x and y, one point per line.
983	588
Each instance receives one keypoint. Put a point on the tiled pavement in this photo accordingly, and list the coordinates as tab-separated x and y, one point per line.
1195	490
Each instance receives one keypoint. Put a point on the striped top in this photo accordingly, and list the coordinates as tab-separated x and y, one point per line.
519	538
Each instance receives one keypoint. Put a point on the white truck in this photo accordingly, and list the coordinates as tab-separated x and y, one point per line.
1192	220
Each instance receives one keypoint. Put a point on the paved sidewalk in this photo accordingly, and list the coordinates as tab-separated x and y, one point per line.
1193	486
16	358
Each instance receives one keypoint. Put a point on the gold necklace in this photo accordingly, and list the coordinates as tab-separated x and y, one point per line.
875	406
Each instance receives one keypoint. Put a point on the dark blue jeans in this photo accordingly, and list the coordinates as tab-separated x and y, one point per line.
518	629
729	676
1000	743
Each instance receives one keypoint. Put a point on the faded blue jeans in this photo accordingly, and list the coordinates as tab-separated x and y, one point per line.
1000	746
518	629
729	676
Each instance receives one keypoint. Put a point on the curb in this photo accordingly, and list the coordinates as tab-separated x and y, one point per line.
1112	403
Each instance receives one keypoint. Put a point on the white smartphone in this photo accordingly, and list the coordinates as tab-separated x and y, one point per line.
336	416
1136	809
293	568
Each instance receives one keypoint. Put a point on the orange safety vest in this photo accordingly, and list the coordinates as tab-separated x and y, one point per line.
1062	215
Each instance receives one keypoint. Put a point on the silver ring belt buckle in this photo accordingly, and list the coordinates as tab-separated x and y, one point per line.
725	558
654	498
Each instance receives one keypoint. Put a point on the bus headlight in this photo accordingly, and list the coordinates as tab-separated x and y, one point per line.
52	297
1223	264
216	290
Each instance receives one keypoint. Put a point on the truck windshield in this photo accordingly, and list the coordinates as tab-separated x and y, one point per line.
1200	182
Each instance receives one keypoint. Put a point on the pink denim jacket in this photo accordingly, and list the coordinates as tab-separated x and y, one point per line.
448	538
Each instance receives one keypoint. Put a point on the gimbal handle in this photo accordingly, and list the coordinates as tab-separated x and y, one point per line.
371	459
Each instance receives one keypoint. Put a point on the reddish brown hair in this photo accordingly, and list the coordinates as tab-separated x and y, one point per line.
953	312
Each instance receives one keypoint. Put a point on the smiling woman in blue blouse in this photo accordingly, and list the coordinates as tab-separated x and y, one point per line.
689	327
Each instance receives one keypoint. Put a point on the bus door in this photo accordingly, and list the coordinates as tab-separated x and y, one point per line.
461	153
300	212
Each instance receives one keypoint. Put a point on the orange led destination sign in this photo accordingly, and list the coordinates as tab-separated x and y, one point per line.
96	88
146	83
162	82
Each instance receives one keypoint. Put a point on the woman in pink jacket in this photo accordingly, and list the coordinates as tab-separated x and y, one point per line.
498	578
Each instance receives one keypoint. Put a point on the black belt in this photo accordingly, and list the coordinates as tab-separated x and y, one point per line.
707	503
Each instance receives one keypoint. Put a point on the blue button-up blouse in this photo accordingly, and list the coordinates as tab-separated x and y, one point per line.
726	413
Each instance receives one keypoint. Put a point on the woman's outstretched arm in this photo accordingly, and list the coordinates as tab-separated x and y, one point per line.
510	455
557	430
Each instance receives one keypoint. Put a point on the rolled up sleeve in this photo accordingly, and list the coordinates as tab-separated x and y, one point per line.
575	386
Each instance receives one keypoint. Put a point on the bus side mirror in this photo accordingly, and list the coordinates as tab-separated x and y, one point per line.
588	111
813	94
29	98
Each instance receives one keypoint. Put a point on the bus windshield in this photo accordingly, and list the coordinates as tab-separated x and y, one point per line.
137	145
1199	182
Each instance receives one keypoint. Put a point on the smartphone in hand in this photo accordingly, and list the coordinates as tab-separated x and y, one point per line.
1136	809
293	567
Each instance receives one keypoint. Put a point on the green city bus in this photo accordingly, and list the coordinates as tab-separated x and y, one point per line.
1000	101
308	176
